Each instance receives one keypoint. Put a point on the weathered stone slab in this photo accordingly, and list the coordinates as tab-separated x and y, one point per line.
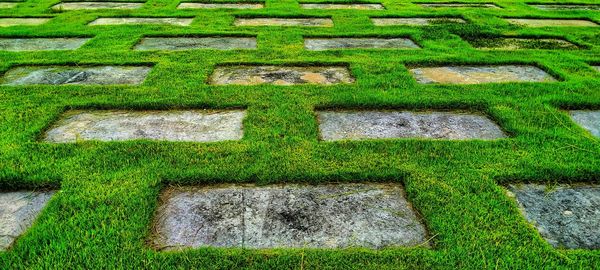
589	120
96	5
191	5
480	74
135	21
320	44
565	6
41	44
458	5
566	216
415	21
343	6
521	43
7	22
312	22
597	68
8	5
18	211
280	75
188	43
294	216
61	75
552	22
358	125
114	125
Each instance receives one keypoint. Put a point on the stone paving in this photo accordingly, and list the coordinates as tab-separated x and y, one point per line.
589	120
321	44
62	75
415	21
458	5
188	43
522	43
552	22
18	211
41	44
565	7
281	75
480	74
140	21
343	6
7	22
192	5
4	5
64	6
305	22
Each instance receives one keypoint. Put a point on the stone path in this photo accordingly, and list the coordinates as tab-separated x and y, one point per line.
310	22
41	44
18	211
552	22
414	21
7	22
135	21
458	5
4	5
64	6
565	7
60	75
522	43
281	75
191	5
480	74
187	43
589	120
343	6
320	44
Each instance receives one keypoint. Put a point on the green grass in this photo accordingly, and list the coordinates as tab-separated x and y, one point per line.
108	191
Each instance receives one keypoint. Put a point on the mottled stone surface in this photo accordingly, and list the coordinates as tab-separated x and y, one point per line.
59	75
313	22
565	7
134	21
114	125
185	43
297	216
521	43
320	44
96	5
358	125
597	68
6	22
414	21
458	5
41	44
8	5
343	6
18	211
566	216
280	75
191	5
552	22
589	120
480	74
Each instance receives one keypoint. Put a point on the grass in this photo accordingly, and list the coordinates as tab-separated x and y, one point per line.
108	191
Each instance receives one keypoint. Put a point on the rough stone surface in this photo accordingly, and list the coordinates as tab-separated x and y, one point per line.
96	5
7	5
589	120
6	22
54	75
566	216
41	44
134	21
313	22
414	21
320	44
552	22
357	125
191	5
565	7
297	216
113	125
185	43
18	211
597	68
458	5
480	74
343	6
280	75
522	43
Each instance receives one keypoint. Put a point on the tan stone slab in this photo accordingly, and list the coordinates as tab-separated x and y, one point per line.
458	5
311	22
7	22
280	75
480	74
565	7
343	6
139	21
552	22
41	44
8	5
191	5
18	211
414	21
521	43
321	44
96	5
188	43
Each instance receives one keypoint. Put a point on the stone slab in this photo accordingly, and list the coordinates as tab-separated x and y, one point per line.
309	22
188	43
140	21
343	6
414	21
7	22
72	75
321	44
41	44
290	216
480	74
96	5
18	211
589	120
191	5
359	125
521	43
280	75
566	216
552	22
116	125
8	5
458	5
565	7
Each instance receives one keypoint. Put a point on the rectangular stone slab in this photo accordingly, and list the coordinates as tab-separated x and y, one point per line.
41	44
458	5
320	44
7	5
359	125
480	74
188	43
280	75
565	7
290	216
62	75
191	5
116	125
7	22
589	120
552	22
18	211
343	6
566	216
310	22
140	21
96	5
521	43
414	21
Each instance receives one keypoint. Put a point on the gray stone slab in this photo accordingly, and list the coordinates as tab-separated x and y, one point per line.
565	7
597	68
96	5
458	5
309	22
566	216
480	74
18	211
358	125
116	125
8	5
521	43
62	75
320	44
552	22
188	43
7	22
191	5
415	21
41	44
293	216
280	75
141	21
343	6
589	120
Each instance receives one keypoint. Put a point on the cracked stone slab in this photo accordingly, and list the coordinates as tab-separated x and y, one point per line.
63	75
552	22
7	22
290	216
343	6
589	120
567	216
309	22
120	125
359	125
188	43
140	21
8	5
96	5
192	5
458	5
521	43
480	74
18	211
41	44
415	21
565	7
281	75
320	44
